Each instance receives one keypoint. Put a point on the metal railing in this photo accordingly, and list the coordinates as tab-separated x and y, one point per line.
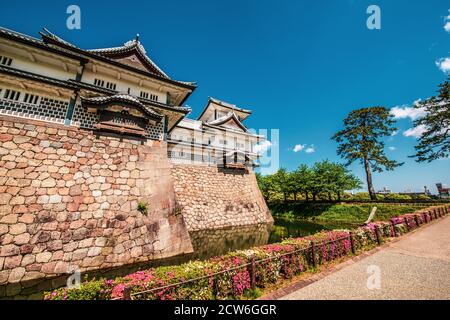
313	248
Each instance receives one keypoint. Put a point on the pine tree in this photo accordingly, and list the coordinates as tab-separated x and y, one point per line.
434	143
361	139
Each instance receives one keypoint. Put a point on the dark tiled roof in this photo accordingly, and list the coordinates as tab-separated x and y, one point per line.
138	48
104	54
10	34
228	105
125	98
224	119
184	110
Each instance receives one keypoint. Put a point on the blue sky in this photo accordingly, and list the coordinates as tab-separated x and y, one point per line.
300	65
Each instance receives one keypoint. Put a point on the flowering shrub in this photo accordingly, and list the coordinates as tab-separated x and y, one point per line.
273	262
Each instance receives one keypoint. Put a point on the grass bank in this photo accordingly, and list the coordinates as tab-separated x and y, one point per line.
343	213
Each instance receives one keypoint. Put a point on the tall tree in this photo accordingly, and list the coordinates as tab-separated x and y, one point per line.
303	179
344	180
282	182
265	184
434	143
361	140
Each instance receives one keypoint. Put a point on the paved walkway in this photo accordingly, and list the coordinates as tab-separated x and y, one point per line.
415	267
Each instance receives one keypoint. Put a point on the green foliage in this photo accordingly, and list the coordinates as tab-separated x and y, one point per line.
435	141
343	213
323	179
142	207
361	140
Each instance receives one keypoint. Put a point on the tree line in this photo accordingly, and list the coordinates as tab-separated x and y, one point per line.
363	140
324	180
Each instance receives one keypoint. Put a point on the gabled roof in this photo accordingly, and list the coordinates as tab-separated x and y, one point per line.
130	48
228	105
110	55
230	116
243	113
122	98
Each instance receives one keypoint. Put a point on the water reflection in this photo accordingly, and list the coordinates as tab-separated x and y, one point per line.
211	243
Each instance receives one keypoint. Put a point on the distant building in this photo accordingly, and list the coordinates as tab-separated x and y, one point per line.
217	134
426	192
385	191
443	192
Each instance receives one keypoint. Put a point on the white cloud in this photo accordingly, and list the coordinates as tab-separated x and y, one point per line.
305	148
310	149
415	132
447	26
444	64
262	147
299	147
393	134
407	112
392	148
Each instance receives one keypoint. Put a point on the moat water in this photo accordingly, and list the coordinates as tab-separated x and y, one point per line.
218	242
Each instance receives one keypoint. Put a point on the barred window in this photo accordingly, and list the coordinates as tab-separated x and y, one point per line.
12	95
149	96
5	61
31	98
99	82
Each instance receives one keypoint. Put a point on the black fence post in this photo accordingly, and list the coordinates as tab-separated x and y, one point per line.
405	220
393	228
417	220
127	293
313	253
377	234
252	271
352	242
215	287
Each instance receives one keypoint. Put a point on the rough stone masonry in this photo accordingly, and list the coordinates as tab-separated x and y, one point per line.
214	198
69	198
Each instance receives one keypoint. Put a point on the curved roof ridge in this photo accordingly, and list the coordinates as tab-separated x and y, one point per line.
127	46
230	115
100	100
228	105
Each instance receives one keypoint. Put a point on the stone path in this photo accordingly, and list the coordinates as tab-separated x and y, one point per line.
415	267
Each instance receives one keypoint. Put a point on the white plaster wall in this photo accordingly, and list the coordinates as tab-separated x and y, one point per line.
123	85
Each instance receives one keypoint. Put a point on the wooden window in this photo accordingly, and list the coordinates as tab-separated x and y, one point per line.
144	95
5	61
12	95
31	98
99	82
149	96
111	85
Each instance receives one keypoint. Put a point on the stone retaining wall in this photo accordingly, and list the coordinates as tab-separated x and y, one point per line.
214	198
68	199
